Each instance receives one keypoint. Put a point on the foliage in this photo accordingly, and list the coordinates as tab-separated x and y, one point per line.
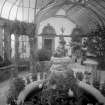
43	55
17	85
56	91
43	66
79	76
76	34
96	84
96	45
57	88
103	89
21	28
60	51
5	66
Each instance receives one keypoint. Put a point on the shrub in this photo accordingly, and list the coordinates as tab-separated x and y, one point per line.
103	89
43	55
96	84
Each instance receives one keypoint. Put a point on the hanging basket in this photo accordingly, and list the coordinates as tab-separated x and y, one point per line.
20	28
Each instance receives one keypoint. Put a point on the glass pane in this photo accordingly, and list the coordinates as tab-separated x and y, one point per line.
13	13
24	47
6	9
13	45
19	14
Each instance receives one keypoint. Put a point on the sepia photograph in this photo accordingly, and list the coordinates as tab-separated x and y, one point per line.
52	52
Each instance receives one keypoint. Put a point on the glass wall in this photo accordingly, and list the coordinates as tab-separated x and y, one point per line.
24	47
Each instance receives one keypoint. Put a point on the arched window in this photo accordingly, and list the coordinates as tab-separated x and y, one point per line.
12	46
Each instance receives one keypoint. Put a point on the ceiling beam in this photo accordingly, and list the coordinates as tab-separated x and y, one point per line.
98	9
43	12
2	7
29	11
11	8
17	9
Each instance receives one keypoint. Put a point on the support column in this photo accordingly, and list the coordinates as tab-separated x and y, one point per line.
9	47
31	54
16	55
33	49
31	62
7	44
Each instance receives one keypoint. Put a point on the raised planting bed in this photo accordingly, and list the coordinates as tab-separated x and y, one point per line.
58	89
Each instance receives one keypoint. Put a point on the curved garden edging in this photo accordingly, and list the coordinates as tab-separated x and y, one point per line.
27	90
93	91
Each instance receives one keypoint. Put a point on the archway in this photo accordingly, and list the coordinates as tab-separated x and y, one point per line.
51	29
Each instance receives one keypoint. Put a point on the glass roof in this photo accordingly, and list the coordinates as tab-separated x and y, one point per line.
22	10
85	12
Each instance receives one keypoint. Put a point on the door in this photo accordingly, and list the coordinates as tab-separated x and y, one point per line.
48	44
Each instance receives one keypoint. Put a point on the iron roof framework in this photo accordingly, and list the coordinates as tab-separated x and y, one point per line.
38	10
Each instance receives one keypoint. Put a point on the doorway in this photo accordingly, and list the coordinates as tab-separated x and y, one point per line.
49	44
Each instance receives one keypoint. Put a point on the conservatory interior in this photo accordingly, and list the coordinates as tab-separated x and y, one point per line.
52	52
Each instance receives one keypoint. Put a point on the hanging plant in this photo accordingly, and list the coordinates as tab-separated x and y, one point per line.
16	27
7	27
23	28
76	34
29	29
20	28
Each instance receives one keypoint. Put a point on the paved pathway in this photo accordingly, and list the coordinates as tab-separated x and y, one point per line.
3	92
